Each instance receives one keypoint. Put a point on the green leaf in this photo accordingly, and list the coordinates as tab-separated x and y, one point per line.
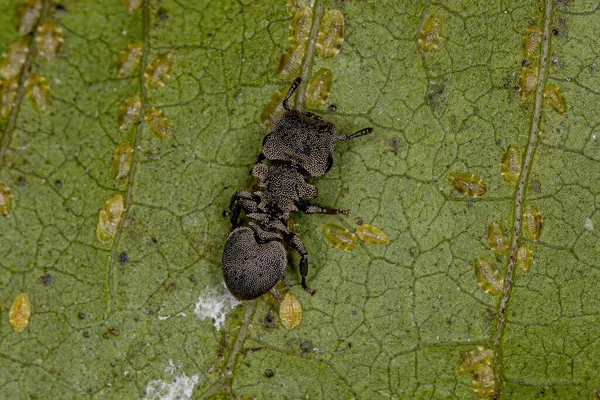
146	314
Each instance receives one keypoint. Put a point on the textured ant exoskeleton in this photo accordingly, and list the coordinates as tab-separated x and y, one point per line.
254	258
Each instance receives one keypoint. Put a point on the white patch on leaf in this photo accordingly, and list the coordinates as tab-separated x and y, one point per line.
215	304
180	387
589	225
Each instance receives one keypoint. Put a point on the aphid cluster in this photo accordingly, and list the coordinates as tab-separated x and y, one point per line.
49	39
532	40
329	43
300	144
432	31
478	363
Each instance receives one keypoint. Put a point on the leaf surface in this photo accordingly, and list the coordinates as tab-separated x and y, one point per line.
146	313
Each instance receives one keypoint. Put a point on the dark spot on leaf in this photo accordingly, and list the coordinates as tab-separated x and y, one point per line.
270	321
269	373
332	108
47	279
86	334
123	257
81	315
58	184
306	346
21	181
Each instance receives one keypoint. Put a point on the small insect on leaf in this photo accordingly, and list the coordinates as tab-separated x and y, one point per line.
157	122
431	33
5	200
129	59
109	218
318	88
478	363
475	359
371	234
38	92
533	222
511	164
49	40
122	160
331	34
468	184
132	5
524	257
340	237
129	112
529	80
274	109
29	14
484	382
14	58
497	238
291	59
290	311
20	312
294	5
160	70
8	96
487	276
299	30
532	40
555	99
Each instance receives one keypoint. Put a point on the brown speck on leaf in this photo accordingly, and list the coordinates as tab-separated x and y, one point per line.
269	373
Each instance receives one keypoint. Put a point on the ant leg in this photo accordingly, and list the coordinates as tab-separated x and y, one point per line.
241	201
360	133
290	93
313	116
295	243
314	209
